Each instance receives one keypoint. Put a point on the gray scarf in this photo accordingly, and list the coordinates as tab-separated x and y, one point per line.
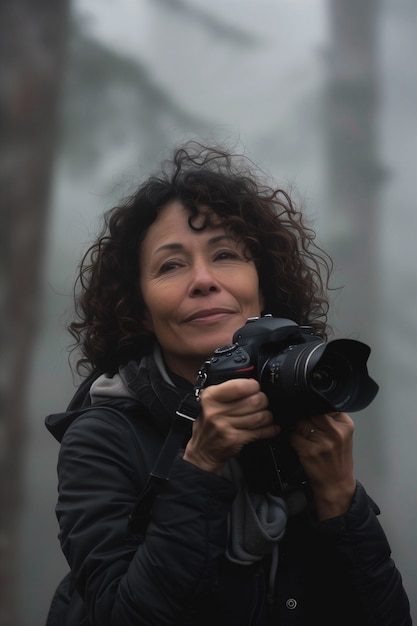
257	521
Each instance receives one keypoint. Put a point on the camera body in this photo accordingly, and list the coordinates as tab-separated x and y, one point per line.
301	374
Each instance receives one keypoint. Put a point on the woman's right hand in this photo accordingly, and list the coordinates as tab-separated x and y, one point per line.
233	414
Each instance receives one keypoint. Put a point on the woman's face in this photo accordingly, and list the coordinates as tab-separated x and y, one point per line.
198	288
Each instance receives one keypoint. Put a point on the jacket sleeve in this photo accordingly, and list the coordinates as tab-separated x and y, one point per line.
101	471
358	559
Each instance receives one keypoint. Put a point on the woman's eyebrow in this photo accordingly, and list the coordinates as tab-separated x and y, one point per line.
217	238
179	246
169	246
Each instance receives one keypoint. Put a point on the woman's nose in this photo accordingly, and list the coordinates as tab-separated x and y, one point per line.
203	280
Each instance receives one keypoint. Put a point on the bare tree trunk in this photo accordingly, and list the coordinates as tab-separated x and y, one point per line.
353	169
355	175
32	43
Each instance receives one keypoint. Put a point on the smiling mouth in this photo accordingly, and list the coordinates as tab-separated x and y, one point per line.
209	316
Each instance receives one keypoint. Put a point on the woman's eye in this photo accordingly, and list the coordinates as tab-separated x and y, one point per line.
169	266
227	254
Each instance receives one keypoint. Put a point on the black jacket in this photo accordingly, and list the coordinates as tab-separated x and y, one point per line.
334	572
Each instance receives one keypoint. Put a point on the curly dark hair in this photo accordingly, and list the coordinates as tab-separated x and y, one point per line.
293	271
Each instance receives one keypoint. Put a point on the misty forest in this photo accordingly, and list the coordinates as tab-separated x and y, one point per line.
321	94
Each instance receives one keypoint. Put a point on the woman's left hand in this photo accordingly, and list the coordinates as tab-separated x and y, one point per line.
324	445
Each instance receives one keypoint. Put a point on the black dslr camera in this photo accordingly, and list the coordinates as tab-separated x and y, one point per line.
300	373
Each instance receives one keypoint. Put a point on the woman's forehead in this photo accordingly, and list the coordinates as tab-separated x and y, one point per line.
176	223
197	218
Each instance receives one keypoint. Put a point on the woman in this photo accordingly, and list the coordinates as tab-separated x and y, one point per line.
179	267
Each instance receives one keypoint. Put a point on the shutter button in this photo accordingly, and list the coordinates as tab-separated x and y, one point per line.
291	603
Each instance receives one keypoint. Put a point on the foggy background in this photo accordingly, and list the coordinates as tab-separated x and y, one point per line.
322	94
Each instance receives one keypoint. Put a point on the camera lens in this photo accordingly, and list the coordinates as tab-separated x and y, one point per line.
316	377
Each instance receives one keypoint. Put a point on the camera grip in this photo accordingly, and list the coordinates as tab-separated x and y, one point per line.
227	362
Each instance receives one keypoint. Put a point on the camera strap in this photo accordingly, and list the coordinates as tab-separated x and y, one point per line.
185	415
